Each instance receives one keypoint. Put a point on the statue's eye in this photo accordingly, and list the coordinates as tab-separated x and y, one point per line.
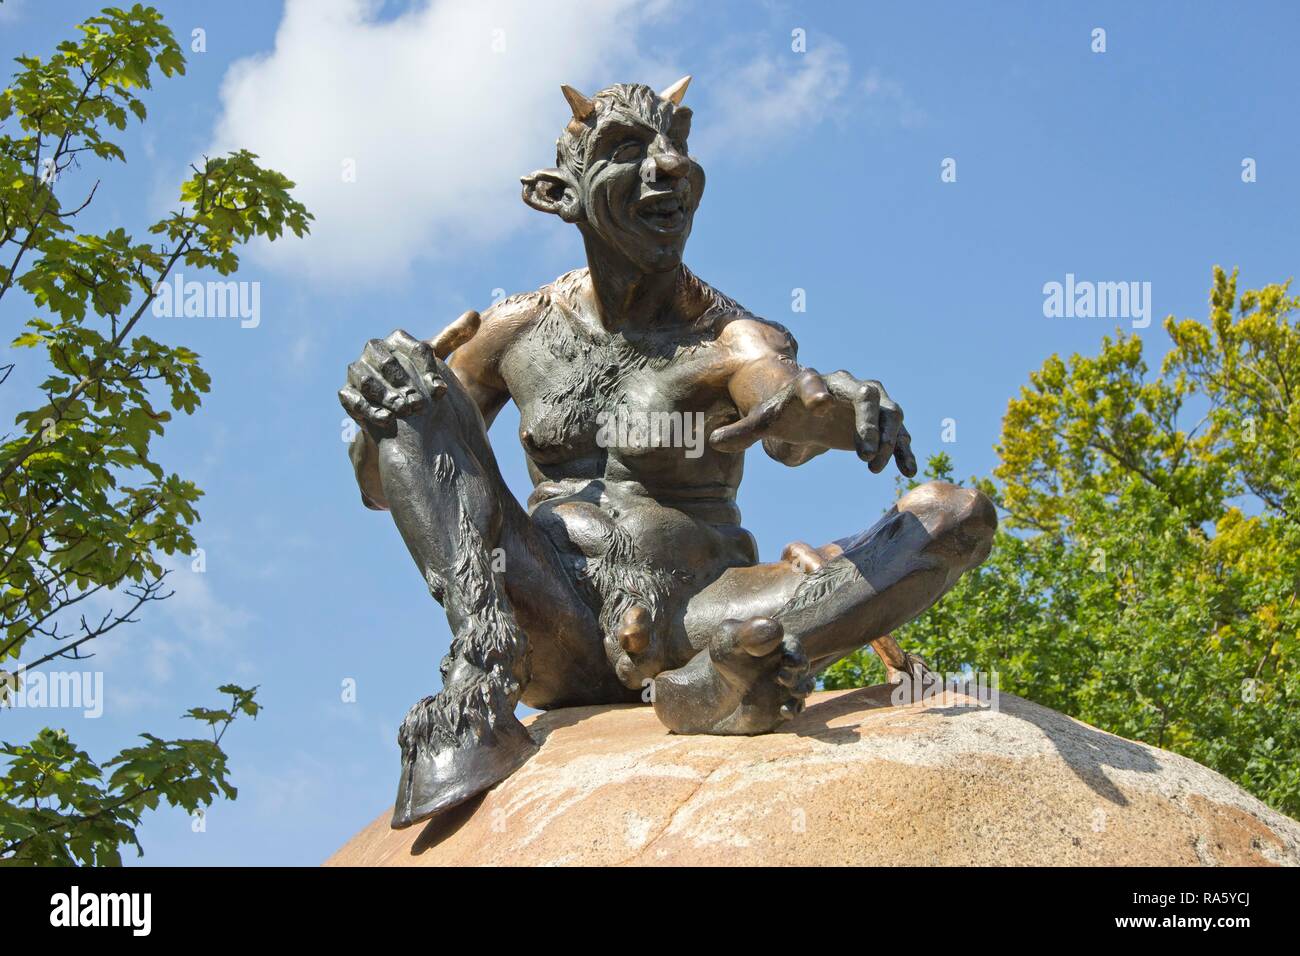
629	152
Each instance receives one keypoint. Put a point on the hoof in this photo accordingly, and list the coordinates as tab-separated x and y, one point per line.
435	779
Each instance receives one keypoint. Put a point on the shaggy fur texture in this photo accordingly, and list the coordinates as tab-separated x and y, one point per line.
485	666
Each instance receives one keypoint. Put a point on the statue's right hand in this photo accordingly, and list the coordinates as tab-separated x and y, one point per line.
396	377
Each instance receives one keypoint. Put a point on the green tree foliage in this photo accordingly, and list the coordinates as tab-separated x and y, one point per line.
1145	579
56	808
86	509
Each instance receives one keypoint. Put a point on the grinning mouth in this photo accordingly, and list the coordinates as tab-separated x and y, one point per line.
662	213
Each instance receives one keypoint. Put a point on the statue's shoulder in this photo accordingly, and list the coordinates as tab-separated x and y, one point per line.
518	310
518	313
501	325
567	289
734	324
509	320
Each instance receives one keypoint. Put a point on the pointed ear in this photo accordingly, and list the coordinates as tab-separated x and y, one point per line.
551	190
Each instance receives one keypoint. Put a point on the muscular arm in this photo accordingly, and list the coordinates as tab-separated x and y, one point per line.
799	413
477	363
765	367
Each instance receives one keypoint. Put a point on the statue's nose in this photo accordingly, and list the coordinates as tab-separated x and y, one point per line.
668	160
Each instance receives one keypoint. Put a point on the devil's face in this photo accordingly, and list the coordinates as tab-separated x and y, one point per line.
640	188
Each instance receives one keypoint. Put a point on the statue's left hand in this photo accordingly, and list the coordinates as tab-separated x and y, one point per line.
878	432
396	377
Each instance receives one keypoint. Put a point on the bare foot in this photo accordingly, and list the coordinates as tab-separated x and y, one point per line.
750	679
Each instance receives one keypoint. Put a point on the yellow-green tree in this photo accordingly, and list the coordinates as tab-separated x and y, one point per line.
1146	576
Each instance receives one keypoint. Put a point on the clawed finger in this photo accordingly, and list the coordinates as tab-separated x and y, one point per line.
396	363
409	402
362	411
866	416
865	398
402	399
379	356
419	353
891	424
903	454
366	380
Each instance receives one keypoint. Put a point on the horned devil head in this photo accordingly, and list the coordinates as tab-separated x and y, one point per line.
623	175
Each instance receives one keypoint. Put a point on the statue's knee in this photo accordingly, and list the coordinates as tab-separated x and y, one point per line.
961	521
976	514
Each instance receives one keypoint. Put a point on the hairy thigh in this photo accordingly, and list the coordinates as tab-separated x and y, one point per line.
568	666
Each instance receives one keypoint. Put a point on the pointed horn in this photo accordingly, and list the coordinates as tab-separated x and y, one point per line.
580	105
675	92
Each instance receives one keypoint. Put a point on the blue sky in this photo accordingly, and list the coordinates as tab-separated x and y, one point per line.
824	175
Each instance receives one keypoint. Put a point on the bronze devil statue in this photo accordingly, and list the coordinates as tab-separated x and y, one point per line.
628	576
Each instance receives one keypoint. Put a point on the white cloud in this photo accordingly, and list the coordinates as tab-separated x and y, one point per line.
773	96
191	629
891	101
195	611
164	628
441	109
167	633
